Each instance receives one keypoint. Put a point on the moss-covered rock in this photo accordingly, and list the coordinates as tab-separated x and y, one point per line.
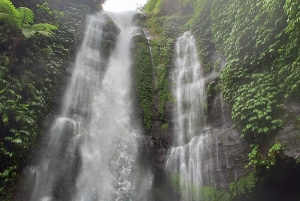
110	32
142	75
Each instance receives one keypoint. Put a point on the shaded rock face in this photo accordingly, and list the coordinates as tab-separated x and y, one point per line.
109	35
281	182
227	152
228	149
289	136
161	139
233	152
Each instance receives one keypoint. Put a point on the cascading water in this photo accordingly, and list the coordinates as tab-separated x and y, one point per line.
188	90
93	146
190	160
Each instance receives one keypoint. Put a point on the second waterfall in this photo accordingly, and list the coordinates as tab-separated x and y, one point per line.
189	163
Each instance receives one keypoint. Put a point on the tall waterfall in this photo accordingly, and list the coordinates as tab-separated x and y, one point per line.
189	162
93	146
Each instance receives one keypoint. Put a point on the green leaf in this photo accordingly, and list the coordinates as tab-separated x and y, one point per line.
2	91
28	32
4	118
26	16
7	8
17	141
44	27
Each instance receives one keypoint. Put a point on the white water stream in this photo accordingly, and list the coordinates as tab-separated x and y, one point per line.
93	149
190	160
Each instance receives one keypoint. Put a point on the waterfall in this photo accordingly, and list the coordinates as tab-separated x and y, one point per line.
92	148
188	89
190	163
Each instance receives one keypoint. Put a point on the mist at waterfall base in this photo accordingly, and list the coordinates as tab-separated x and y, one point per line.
91	151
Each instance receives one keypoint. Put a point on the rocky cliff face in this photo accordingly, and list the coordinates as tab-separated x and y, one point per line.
289	136
230	149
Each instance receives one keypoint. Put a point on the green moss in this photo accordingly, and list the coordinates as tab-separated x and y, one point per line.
165	126
153	6
143	73
210	90
165	30
209	193
217	65
208	67
158	194
109	35
161	51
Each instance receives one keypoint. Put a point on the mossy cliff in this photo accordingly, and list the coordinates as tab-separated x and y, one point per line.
142	75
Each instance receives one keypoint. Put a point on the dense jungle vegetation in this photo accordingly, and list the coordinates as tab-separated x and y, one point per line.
37	41
259	41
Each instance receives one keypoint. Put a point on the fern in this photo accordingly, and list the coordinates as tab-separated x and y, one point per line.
8	9
4	17
3	90
44	27
41	28
3	71
26	16
28	31
22	19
